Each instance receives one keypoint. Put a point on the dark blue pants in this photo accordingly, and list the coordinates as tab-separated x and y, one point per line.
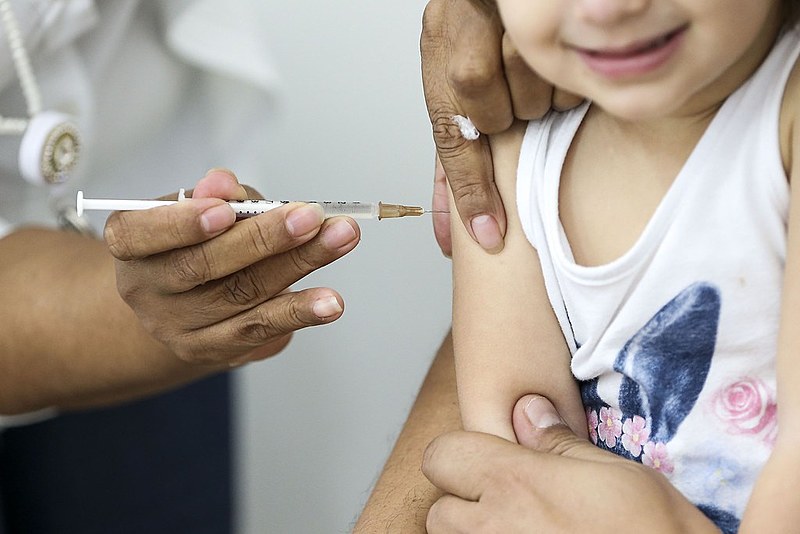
162	465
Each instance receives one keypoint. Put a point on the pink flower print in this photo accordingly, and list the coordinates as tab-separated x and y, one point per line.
591	420
655	455
747	408
610	426
635	433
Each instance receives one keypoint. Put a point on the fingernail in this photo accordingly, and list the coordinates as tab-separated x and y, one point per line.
304	219
338	235
326	307
217	218
541	413
487	233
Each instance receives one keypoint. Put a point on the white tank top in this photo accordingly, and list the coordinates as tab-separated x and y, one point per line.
675	341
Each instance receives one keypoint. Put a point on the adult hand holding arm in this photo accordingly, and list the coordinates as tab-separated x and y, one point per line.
552	482
469	68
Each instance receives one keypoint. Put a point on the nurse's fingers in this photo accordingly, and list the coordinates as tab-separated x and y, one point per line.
138	234
255	332
463	42
257	283
462	75
563	100
531	96
248	242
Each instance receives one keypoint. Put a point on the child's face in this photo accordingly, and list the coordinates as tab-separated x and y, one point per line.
642	59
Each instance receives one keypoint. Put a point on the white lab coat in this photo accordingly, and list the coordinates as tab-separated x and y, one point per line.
160	91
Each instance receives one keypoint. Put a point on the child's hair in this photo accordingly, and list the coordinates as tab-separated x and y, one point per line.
790	9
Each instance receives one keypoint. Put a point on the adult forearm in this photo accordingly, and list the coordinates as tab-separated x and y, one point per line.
402	495
66	337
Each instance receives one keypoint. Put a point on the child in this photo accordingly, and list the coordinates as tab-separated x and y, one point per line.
659	219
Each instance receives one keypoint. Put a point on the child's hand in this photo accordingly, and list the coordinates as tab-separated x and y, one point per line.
559	483
470	69
216	292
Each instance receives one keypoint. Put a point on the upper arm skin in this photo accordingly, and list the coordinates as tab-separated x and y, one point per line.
775	503
507	340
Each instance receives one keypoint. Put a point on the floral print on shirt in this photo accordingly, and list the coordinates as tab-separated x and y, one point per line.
664	367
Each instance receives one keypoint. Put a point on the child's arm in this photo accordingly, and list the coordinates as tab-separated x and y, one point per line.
506	337
775	503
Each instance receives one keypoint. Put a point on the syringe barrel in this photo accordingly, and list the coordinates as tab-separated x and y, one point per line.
356	210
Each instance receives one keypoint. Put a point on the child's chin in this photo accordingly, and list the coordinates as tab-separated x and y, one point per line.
635	110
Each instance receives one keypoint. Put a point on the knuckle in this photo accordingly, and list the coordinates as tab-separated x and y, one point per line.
534	107
190	266
468	192
117	237
128	291
563	100
511	55
473	76
301	263
295	317
561	442
243	287
261	239
432	17
265	325
175	228
447	135
158	329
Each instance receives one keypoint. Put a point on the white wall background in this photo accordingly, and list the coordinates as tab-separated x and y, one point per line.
315	424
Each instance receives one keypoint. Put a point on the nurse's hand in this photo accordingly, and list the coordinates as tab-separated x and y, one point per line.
213	291
470	68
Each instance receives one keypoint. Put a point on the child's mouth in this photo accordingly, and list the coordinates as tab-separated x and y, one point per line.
635	59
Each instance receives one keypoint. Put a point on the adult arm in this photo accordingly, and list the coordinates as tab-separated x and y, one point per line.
470	69
66	337
69	340
402	495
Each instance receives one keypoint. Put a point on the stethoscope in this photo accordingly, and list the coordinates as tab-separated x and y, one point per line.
50	143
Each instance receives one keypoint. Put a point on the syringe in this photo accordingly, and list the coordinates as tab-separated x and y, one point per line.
249	208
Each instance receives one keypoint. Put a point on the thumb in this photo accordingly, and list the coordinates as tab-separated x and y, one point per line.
533	417
538	426
219	183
